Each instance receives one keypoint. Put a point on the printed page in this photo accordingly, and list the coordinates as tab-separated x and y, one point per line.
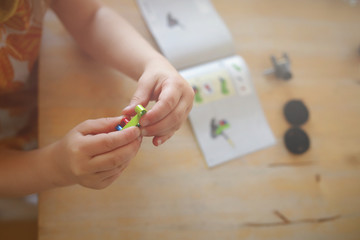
188	32
227	117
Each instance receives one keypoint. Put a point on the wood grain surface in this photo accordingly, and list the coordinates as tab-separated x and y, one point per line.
168	192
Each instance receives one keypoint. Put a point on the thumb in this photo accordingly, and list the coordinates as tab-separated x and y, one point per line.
100	125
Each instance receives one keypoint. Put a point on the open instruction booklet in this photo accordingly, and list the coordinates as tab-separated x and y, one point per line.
227	117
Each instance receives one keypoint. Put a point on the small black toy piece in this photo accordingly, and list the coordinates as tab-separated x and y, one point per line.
281	67
296	140
296	112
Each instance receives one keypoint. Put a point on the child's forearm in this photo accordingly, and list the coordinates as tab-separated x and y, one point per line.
106	36
25	172
92	154
110	39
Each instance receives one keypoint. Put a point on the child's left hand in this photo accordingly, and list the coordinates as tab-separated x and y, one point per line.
174	96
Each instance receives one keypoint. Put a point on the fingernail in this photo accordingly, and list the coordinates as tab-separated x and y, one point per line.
159	142
144	123
126	108
143	132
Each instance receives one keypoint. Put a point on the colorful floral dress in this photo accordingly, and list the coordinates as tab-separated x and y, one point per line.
20	37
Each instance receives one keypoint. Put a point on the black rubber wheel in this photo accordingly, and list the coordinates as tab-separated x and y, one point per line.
296	113
296	140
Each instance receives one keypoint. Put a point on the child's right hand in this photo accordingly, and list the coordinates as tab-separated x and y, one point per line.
93	154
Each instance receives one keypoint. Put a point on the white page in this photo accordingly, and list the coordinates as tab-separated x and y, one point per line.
188	32
237	104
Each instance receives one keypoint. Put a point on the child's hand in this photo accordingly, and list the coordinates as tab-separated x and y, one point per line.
93	154
160	82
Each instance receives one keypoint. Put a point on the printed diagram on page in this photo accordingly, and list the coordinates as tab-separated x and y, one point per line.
218	128
211	87
218	84
214	86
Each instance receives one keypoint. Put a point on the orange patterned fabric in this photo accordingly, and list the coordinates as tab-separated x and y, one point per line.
21	19
20	37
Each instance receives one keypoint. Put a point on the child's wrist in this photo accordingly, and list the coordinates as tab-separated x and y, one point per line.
54	169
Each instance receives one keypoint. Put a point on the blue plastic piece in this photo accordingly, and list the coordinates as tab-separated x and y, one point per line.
118	127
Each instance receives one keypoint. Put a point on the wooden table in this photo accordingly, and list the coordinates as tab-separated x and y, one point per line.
169	192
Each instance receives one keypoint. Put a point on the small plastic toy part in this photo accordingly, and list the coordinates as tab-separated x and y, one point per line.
296	140
122	124
296	113
118	127
126	122
281	67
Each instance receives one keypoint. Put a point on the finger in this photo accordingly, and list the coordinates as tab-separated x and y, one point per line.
107	142
116	172
102	175
170	123
102	179
113	159
141	96
168	100
96	126
158	140
95	183
106	182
